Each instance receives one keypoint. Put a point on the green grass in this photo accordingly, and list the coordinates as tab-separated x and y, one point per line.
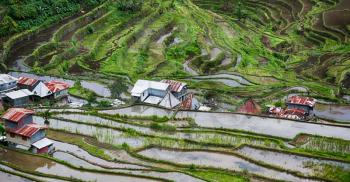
217	176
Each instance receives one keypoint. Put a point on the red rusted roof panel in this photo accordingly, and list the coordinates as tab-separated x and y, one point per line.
28	130
27	81
187	103
56	86
250	107
307	101
16	114
175	86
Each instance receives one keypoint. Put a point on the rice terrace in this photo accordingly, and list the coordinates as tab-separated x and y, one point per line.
175	90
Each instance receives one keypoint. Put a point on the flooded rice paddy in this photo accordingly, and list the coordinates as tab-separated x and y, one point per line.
268	126
288	161
13	178
43	165
78	152
333	112
216	160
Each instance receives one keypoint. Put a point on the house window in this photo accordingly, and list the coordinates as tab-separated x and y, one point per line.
12	135
24	138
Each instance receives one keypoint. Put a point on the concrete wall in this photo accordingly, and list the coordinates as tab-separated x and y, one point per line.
38	136
18	140
8	86
61	93
307	109
26	120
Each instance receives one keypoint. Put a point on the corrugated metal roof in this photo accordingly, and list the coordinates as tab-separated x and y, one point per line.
42	143
19	94
27	81
56	86
5	78
293	114
307	101
250	107
187	103
16	114
175	86
41	90
142	85
28	130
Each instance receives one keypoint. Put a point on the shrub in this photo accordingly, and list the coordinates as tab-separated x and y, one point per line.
163	127
129	5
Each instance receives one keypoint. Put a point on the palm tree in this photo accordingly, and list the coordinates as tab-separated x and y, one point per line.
47	115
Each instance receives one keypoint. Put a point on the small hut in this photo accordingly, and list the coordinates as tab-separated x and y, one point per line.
250	107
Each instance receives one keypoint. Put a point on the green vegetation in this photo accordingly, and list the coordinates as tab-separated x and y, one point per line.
218	176
78	91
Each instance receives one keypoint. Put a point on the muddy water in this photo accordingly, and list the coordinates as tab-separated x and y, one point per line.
333	112
99	89
47	166
216	160
268	126
10	177
287	161
77	151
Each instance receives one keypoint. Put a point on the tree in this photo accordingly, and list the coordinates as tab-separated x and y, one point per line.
129	5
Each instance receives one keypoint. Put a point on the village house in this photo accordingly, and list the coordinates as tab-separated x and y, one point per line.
17	98
301	103
7	82
178	89
22	132
250	107
27	83
157	93
58	89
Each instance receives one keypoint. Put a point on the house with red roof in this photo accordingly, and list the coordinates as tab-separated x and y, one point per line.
301	103
27	83
250	107
58	89
178	89
22	131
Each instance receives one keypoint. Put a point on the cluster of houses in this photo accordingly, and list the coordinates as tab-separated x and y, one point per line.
17	92
166	93
298	107
22	132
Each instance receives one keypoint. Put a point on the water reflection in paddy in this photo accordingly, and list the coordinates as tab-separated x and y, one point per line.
216	160
77	151
43	165
104	135
287	161
175	176
333	112
13	178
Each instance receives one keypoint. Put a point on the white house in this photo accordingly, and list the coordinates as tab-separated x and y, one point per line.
7	82
157	93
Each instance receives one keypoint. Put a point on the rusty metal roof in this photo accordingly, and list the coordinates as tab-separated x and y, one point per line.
16	114
250	107
28	130
175	86
187	103
293	114
56	86
27	81
307	101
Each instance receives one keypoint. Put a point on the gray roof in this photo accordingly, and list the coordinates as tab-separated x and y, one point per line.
5	78
19	94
